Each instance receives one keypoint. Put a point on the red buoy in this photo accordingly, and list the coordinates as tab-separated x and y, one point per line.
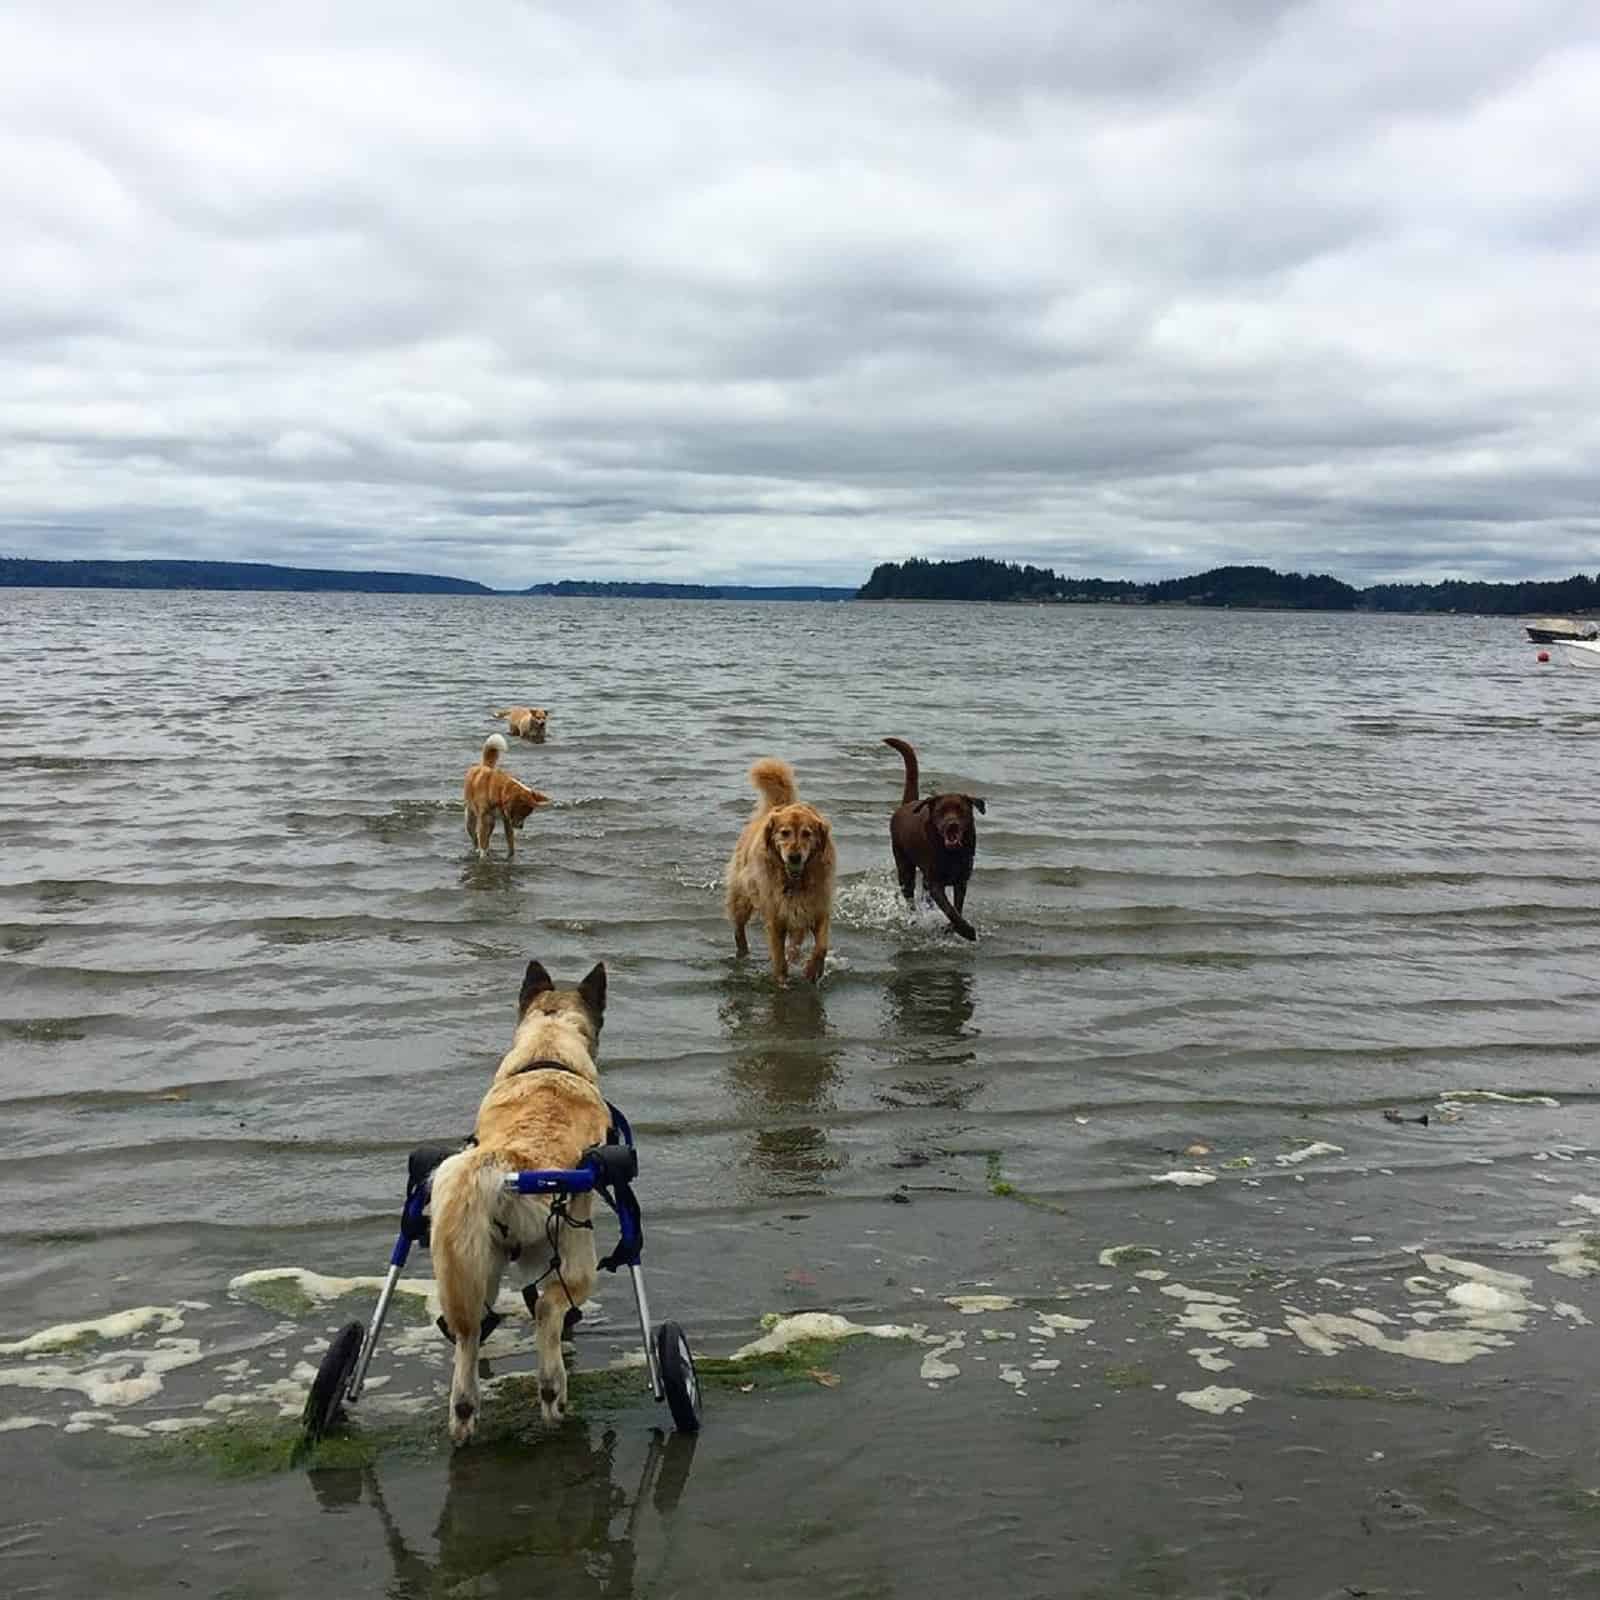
1544	655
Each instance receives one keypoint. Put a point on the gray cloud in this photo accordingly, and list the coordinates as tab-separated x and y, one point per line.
753	293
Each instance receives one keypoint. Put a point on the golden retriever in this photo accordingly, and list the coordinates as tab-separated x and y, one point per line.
543	1109
782	871
524	722
490	795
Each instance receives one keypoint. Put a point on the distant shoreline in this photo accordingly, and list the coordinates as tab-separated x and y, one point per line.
260	577
977	580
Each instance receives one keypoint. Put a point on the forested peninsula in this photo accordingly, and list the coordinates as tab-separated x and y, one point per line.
1243	587
24	573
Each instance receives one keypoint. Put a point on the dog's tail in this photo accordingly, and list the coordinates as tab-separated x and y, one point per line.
773	780
493	748
909	756
464	1189
501	715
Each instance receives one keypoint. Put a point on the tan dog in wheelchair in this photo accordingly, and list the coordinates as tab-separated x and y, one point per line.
543	1110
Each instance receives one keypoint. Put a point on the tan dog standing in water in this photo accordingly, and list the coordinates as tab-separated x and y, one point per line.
782	871
490	795
525	722
543	1109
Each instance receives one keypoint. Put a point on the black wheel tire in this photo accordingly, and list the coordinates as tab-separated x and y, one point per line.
325	1401
678	1377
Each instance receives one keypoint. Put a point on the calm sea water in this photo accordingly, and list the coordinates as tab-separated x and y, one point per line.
1245	881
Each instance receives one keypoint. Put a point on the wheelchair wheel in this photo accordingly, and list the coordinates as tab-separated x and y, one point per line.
325	1401
678	1377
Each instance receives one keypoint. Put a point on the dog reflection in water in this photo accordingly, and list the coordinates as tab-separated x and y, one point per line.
785	1062
563	1539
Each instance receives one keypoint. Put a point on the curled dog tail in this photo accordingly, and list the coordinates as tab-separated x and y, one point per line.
493	748
465	1186
909	756
773	780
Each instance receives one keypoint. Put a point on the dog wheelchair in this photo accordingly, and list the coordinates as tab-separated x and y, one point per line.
607	1170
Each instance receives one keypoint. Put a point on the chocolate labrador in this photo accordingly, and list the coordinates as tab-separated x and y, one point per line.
937	836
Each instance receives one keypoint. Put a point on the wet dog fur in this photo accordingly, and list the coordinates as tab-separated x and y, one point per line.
524	722
543	1109
490	795
782	870
938	837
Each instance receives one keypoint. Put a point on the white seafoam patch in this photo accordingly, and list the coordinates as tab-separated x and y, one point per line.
1456	1096
1117	1255
1049	1323
1486	1304
1219	1315
321	1288
1572	1258
114	1325
113	1377
935	1368
969	1305
1309	1152
805	1325
1185	1179
1215	1399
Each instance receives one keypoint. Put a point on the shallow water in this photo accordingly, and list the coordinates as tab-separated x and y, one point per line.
1244	882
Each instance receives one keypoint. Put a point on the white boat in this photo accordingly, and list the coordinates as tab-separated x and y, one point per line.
1579	652
1552	630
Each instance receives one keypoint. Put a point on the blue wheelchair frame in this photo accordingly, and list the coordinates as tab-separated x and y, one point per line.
607	1170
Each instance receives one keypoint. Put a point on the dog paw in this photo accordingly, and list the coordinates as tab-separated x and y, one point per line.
552	1402
967	931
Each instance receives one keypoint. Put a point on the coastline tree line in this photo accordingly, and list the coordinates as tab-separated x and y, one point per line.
977	578
980	578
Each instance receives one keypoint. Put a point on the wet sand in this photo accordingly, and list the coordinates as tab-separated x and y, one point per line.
1040	1424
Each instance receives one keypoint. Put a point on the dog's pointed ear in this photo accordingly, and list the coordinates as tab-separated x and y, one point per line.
592	991
535	981
976	802
924	803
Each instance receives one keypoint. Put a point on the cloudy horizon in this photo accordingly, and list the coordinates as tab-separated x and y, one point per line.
700	292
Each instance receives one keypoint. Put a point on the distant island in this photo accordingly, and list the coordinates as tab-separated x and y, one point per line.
978	578
22	573
1259	588
588	589
26	573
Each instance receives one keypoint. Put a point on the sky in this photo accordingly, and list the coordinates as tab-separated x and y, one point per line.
736	291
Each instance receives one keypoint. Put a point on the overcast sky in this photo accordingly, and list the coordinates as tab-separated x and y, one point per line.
769	293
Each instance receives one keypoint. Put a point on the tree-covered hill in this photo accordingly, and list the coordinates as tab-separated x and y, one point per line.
980	578
22	572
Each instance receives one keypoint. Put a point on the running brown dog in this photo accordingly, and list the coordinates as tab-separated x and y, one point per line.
938	837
